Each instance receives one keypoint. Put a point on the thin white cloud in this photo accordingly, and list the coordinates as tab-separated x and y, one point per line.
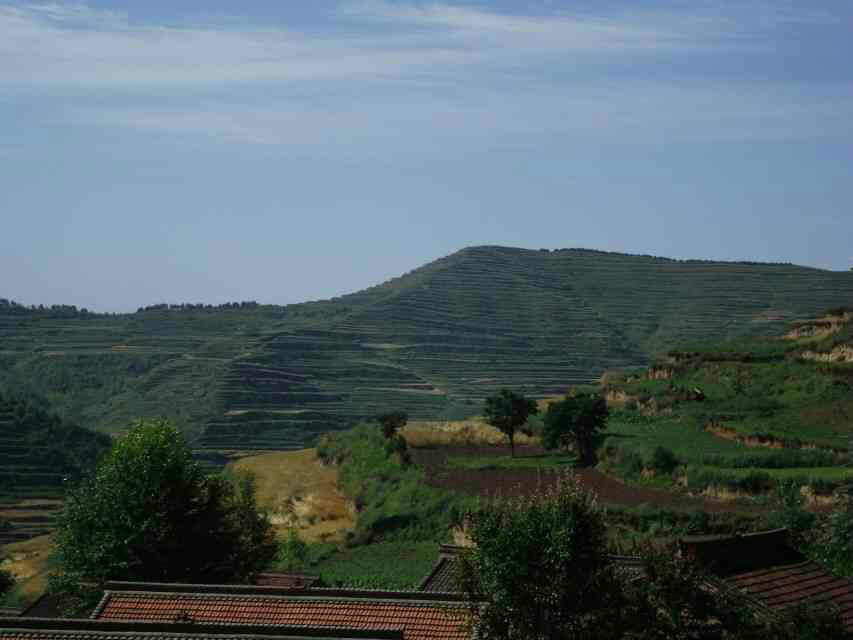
458	72
59	46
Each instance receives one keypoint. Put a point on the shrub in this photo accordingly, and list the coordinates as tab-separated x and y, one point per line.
664	460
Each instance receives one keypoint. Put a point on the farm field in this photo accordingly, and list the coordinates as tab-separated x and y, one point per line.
739	415
433	342
444	470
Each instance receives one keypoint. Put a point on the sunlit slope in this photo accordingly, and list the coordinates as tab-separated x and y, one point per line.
432	342
439	339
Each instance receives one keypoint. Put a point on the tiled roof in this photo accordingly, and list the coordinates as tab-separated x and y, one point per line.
442	577
286	580
767	570
419	619
782	586
67	629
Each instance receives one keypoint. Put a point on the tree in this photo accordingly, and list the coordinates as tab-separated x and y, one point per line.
508	411
7	581
149	512
392	422
576	420
539	567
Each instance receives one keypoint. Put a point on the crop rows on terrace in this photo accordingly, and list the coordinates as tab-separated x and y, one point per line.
433	342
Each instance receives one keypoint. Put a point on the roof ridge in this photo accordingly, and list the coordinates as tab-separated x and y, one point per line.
113	587
214	628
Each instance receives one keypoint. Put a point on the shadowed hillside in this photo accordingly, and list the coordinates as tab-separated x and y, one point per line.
433	342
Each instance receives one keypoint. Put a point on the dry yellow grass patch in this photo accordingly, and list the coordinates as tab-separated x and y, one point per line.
299	492
28	562
473	431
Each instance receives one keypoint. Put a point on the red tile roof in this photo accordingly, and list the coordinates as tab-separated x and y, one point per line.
27	628
771	573
782	586
421	619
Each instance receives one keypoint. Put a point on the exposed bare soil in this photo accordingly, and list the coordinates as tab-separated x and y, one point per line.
512	482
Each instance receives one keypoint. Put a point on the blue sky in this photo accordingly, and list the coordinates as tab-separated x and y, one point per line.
283	151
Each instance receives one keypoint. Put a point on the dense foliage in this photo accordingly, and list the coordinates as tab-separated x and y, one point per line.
150	513
539	566
577	419
540	570
392	498
7	581
39	449
508	411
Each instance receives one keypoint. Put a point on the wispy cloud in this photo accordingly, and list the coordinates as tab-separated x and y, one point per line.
460	71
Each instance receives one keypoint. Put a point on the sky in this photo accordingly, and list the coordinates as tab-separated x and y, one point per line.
283	151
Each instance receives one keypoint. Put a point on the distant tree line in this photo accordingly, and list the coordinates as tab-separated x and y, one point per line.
189	306
677	260
54	310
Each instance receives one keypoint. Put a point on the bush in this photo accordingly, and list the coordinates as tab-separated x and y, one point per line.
392	497
664	460
7	581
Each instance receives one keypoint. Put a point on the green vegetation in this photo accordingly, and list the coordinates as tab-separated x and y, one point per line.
382	565
739	416
391	496
433	343
508	411
150	513
540	568
38	449
576	420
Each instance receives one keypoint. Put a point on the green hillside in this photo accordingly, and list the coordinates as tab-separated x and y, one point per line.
740	414
38	449
432	342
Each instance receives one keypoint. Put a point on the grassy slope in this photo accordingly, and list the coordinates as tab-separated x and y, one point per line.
38	449
432	342
759	391
299	491
29	562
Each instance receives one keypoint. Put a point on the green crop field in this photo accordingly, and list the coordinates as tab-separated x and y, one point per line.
742	414
433	342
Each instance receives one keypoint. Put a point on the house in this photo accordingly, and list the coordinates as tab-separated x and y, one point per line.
74	629
417	615
768	573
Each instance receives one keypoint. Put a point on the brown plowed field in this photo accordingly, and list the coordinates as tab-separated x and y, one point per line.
512	482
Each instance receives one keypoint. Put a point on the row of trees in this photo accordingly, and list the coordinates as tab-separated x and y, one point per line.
55	310
189	306
572	423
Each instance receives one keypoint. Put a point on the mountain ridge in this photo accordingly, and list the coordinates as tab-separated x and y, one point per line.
433	341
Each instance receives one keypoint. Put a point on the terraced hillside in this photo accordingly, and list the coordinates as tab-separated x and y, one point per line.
37	451
740	415
432	342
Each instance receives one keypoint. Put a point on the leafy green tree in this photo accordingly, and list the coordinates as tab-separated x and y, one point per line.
835	547
508	411
149	512
392	422
539	567
7	581
576	420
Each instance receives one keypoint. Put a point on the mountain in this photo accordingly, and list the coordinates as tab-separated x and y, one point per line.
432	342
